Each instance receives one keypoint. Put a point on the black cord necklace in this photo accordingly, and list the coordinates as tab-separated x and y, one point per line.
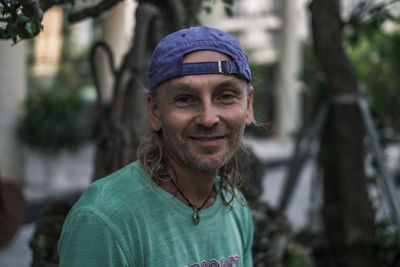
196	215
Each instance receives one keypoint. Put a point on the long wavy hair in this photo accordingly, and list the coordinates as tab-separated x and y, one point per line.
152	156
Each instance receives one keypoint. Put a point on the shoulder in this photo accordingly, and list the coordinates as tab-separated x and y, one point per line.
90	239
106	215
238	207
110	195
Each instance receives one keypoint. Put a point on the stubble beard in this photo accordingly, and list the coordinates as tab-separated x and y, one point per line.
183	156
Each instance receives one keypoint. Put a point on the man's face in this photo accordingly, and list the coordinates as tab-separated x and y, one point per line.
201	117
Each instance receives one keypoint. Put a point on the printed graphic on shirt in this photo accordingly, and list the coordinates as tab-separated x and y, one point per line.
233	261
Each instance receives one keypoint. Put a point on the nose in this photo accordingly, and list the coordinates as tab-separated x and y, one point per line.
208	115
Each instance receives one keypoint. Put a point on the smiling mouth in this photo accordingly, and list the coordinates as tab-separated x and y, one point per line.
206	138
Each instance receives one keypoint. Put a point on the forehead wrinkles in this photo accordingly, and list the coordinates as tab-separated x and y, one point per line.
185	84
193	85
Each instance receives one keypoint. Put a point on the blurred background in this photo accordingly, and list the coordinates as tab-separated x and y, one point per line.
322	167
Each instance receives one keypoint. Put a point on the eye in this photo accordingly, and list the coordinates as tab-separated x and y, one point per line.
183	101
227	97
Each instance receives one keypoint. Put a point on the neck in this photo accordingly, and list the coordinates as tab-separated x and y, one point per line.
194	184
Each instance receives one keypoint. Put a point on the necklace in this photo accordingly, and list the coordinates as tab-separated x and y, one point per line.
196	215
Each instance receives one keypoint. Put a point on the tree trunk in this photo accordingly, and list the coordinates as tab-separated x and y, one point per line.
347	212
121	122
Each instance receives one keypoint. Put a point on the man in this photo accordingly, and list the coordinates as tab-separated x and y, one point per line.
179	205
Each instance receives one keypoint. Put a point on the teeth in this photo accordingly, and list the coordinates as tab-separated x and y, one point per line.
207	138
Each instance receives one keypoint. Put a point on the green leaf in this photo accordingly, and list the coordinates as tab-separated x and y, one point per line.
208	9
30	27
23	19
192	19
228	11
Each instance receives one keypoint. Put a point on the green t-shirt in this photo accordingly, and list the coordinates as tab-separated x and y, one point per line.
127	220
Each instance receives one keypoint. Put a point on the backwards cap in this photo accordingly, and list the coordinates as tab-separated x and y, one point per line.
166	61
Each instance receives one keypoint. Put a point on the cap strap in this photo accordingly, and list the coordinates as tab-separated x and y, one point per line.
217	67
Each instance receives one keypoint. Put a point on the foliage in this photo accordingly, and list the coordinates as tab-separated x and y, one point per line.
18	23
52	121
298	256
373	45
386	243
375	58
207	6
373	52
367	18
21	19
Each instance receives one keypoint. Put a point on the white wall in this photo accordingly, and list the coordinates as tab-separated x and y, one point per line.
12	94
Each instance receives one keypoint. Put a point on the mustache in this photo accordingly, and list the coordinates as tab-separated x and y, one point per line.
215	130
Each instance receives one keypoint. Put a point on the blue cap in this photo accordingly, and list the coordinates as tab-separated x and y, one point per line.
166	61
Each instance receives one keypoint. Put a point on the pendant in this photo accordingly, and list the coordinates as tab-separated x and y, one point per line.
196	216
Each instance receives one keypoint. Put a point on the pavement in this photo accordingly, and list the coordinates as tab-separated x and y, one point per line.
18	253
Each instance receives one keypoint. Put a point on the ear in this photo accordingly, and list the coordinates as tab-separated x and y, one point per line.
249	117
154	113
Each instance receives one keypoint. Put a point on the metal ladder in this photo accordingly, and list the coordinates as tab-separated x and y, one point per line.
308	146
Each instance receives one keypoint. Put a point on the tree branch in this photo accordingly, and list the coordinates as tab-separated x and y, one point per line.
47	4
177	8
145	14
92	58
364	8
93	11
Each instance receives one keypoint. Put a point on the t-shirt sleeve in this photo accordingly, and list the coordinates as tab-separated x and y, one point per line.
87	240
247	257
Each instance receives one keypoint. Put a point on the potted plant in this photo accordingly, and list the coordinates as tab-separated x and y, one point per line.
52	122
